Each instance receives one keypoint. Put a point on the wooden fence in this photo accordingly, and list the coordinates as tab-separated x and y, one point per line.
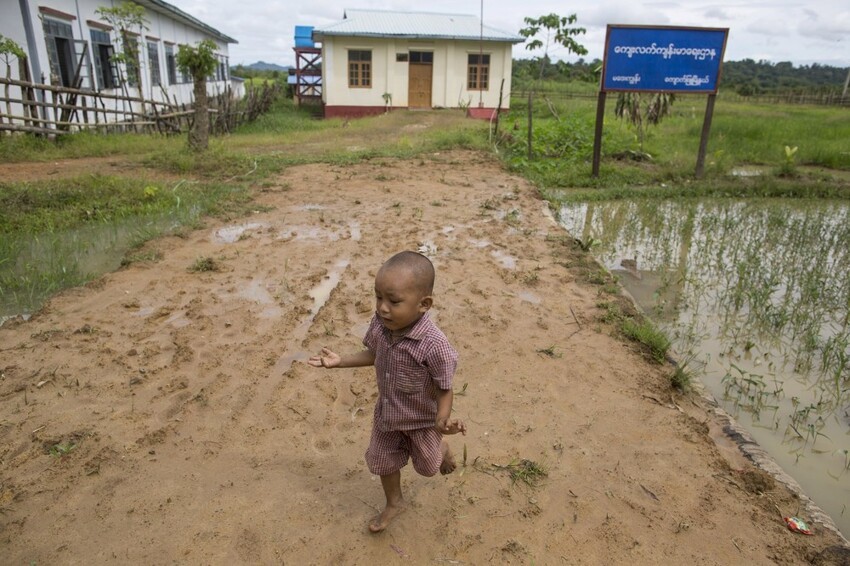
55	110
832	98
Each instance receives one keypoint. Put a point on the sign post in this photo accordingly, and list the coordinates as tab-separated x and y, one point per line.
661	59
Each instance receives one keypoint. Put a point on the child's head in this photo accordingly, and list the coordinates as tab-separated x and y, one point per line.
403	290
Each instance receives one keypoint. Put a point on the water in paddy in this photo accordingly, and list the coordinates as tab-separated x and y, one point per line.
756	295
32	268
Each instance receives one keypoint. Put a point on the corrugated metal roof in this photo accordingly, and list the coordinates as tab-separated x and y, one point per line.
379	23
181	16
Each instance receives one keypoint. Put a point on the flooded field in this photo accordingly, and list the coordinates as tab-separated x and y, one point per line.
32	268
755	295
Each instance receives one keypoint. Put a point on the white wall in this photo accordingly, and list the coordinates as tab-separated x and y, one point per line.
160	26
448	87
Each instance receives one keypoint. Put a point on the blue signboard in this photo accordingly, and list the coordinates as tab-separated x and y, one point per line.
675	59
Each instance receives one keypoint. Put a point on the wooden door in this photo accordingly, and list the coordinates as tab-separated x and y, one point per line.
419	85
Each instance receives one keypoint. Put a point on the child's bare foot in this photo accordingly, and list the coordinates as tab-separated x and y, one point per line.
389	513
448	464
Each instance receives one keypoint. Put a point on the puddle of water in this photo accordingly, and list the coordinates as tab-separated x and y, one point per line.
755	293
479	243
34	267
257	292
308	233
178	320
354	230
529	297
26	316
746	172
320	295
505	260
231	234
428	248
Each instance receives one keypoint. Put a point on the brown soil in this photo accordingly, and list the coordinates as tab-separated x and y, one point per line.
157	415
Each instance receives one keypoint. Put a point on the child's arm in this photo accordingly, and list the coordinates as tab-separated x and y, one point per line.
329	359
444	424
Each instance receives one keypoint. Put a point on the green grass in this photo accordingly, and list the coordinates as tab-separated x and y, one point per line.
655	341
204	264
40	215
741	134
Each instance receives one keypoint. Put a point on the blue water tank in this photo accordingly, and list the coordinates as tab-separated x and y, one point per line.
304	36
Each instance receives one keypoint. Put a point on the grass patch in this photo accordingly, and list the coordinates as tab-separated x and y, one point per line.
205	264
655	342
526	471
742	133
682	377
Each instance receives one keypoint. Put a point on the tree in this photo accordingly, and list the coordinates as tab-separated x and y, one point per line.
126	17
10	50
199	62
558	30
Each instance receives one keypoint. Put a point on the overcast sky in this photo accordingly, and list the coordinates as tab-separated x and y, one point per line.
803	32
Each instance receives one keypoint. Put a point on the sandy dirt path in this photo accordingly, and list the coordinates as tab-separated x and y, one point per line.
161	415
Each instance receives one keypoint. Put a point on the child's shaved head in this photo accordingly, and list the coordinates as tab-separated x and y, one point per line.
418	265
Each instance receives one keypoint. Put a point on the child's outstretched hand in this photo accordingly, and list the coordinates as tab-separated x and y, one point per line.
450	426
327	359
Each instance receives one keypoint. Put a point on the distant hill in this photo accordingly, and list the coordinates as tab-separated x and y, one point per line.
263	66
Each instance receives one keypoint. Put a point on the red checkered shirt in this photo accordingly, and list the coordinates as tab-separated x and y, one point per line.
409	372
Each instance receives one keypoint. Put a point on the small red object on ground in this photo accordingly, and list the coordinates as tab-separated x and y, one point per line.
798	526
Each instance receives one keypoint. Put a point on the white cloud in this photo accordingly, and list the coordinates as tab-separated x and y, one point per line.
795	30
833	27
716	13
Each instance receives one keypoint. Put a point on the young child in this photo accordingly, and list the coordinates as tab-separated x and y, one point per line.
414	363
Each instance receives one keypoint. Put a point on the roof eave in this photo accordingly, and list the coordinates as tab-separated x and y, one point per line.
180	15
317	36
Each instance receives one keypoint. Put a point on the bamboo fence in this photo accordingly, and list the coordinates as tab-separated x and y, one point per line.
28	107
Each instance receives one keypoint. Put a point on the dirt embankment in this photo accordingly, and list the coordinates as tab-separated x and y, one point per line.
163	415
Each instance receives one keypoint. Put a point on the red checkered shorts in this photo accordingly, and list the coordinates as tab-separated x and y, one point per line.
388	452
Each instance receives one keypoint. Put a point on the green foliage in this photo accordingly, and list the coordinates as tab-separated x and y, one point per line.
657	106
748	77
789	165
199	61
644	332
558	29
126	17
8	49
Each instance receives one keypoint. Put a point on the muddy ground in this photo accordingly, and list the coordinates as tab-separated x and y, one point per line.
164	415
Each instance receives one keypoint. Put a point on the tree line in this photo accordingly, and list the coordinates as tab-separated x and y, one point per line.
746	77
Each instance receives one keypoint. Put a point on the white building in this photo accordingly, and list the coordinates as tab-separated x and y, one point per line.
374	59
69	44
